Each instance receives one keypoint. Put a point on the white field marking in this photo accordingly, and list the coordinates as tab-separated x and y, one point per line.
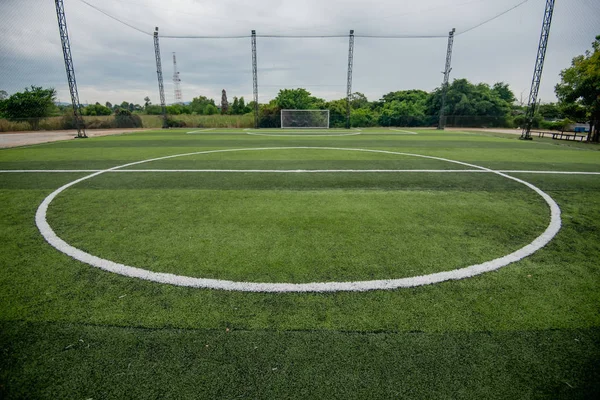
48	170
20	171
303	133
301	171
552	172
200	131
135	272
403	131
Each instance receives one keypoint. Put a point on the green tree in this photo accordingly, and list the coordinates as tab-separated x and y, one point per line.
3	95
32	104
411	96
96	109
244	109
402	108
224	102
469	104
580	85
177	109
363	117
235	106
269	115
337	113
153	109
210	109
108	105
147	101
503	91
199	105
550	111
298	99
358	100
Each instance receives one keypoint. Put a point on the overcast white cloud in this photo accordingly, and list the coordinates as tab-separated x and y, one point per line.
114	62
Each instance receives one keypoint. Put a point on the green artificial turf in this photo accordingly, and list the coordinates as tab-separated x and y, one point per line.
529	330
298	235
113	363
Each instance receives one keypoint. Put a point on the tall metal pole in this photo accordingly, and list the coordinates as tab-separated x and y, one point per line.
537	71
66	46
254	79
177	82
161	87
349	82
442	122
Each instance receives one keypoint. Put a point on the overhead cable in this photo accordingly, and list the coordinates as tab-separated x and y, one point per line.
291	36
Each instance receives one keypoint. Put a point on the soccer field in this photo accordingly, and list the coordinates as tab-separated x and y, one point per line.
374	263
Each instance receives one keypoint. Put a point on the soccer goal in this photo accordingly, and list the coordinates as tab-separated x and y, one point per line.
317	119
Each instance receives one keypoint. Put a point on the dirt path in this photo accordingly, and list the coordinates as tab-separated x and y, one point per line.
15	139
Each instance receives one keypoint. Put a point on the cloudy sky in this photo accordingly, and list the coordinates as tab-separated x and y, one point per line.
115	63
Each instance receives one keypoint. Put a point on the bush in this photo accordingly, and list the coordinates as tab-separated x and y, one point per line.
124	119
100	124
175	123
68	121
561	125
269	116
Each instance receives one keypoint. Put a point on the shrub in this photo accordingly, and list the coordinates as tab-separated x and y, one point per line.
124	119
100	124
269	116
560	125
175	123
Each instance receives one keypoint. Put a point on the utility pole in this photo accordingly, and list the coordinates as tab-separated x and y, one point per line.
537	71
161	87
442	122
177	82
349	82
254	79
66	46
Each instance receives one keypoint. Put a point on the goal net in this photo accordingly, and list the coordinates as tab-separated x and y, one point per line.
305	119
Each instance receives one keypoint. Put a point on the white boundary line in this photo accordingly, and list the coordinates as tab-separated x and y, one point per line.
24	171
200	131
403	132
160	277
290	171
307	134
302	171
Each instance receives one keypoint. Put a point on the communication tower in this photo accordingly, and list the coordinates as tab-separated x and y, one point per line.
177	82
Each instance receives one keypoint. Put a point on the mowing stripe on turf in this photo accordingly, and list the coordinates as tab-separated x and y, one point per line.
134	272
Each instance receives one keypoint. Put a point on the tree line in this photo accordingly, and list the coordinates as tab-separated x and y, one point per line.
467	104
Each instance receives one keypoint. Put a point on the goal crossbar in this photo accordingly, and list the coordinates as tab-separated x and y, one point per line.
304	119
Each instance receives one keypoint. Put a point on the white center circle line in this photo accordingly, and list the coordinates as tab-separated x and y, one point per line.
179	280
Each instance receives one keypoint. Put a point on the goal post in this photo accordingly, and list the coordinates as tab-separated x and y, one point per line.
305	119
